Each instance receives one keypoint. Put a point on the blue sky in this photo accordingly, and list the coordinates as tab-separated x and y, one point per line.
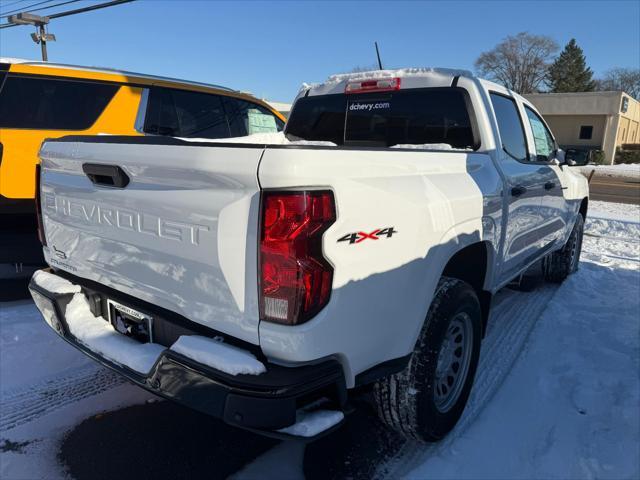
270	48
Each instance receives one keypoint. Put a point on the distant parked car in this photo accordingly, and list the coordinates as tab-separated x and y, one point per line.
46	100
579	156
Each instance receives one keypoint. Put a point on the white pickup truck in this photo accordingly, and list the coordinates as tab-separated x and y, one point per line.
262	280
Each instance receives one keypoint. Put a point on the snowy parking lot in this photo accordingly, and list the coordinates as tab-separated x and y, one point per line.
556	396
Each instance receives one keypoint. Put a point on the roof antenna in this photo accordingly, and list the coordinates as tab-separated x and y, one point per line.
378	54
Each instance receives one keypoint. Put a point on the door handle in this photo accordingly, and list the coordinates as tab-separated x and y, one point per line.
106	175
549	185
517	191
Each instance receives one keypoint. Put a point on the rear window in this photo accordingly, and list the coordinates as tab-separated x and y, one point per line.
406	117
51	104
180	113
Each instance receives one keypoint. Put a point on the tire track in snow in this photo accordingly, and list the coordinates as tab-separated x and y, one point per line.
512	319
24	405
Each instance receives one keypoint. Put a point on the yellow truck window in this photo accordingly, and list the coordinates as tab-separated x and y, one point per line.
48	104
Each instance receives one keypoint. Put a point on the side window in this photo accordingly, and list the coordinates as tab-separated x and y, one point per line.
200	115
510	126
181	113
161	118
586	132
543	141
52	104
246	118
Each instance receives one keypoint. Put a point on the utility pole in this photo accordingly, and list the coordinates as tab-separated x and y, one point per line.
40	36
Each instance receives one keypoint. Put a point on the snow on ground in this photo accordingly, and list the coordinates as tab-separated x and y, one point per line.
46	387
627	170
569	407
563	405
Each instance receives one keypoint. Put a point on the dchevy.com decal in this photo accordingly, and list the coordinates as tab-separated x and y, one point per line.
369	106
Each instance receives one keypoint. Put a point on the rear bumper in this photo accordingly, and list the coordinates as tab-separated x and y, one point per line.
263	403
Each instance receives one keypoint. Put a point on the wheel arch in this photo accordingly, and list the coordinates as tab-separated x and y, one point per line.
473	264
584	206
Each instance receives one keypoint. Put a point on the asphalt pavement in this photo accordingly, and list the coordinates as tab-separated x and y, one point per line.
615	189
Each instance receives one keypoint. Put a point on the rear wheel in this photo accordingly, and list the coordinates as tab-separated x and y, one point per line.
426	399
559	265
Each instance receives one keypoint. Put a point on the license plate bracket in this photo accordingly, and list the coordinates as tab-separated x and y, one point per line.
130	322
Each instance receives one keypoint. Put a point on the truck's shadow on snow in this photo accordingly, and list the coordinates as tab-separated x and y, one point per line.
163	440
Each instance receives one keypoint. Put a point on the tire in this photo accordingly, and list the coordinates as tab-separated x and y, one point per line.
559	265
414	401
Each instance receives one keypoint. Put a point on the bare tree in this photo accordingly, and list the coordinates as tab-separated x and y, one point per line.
519	62
625	79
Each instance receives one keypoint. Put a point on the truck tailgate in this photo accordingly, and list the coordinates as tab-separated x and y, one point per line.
181	234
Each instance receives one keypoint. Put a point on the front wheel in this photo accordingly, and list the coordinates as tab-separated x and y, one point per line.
425	400
557	266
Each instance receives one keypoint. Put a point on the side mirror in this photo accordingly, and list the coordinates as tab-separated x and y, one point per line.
575	157
557	157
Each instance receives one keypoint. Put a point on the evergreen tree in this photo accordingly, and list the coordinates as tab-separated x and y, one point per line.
569	72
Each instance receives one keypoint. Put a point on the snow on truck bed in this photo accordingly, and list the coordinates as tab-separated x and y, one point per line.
276	138
279	138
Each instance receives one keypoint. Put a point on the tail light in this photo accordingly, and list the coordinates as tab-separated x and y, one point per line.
41	236
374	85
295	278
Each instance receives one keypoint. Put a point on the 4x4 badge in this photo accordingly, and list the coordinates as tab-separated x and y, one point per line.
359	237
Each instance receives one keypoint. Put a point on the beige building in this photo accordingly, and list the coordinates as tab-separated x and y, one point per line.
591	120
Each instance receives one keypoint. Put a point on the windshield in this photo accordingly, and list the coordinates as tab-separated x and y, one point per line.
405	117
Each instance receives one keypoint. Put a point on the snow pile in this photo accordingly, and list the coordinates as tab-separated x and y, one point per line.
272	138
424	146
100	336
398	73
612	233
413	75
614	211
626	170
310	424
54	283
429	146
226	358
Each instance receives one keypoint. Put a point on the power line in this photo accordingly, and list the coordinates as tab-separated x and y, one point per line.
88	9
75	12
47	7
25	9
14	3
